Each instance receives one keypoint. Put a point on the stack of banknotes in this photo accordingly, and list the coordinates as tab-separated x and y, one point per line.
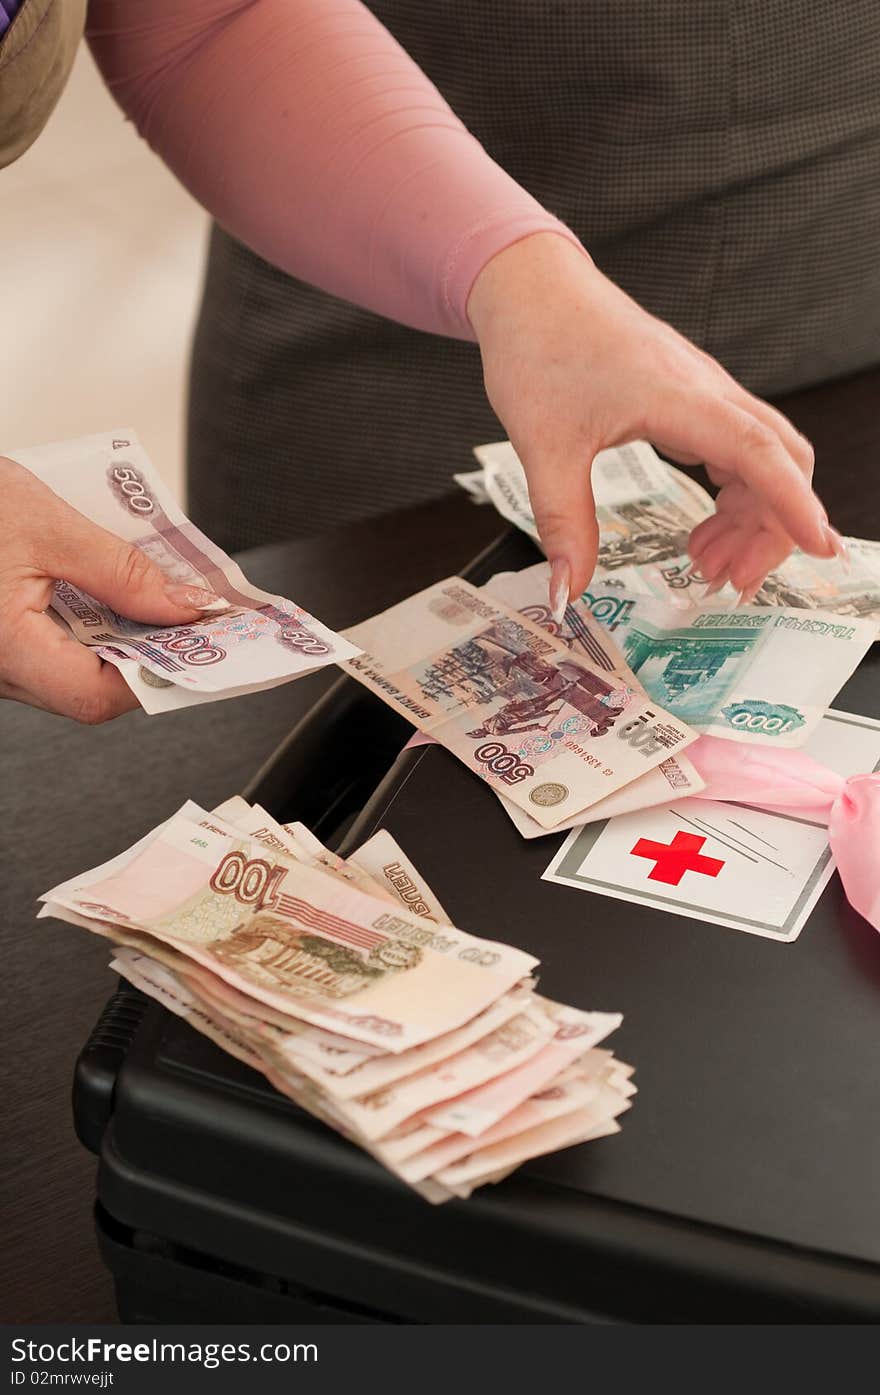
345	984
248	641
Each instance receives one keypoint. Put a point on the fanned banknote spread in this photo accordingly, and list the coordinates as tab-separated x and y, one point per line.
260	641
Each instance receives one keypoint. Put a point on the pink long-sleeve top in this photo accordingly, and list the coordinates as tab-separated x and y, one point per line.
309	134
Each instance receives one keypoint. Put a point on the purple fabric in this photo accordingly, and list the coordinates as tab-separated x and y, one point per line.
8	11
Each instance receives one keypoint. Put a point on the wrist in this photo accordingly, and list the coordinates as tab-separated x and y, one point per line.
521	272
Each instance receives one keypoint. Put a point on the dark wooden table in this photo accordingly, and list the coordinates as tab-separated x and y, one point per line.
71	797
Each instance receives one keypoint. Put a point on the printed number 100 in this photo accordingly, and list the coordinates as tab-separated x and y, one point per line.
252	881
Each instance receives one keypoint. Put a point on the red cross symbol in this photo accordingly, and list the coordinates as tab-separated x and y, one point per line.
675	858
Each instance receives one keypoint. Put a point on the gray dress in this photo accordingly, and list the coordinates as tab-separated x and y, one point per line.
720	159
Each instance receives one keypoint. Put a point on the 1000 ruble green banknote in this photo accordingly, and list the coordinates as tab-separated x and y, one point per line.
754	674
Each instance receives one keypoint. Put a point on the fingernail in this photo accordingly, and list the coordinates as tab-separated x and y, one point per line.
748	594
196	598
560	588
837	544
715	586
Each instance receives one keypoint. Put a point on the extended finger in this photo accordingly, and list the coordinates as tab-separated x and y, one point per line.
705	533
797	445
717	560
734	440
795	442
759	554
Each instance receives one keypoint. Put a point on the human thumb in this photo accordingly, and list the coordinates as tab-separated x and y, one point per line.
562	501
113	571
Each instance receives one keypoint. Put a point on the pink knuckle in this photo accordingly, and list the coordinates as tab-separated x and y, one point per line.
741	575
552	520
132	569
91	709
674	365
755	436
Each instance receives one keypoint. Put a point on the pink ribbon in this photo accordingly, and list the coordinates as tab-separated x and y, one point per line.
789	781
785	781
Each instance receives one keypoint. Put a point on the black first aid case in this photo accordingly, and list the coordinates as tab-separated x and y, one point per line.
744	1186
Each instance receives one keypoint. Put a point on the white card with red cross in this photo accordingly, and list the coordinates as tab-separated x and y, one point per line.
729	864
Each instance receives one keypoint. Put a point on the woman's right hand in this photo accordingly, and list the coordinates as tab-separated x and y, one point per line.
573	365
44	540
